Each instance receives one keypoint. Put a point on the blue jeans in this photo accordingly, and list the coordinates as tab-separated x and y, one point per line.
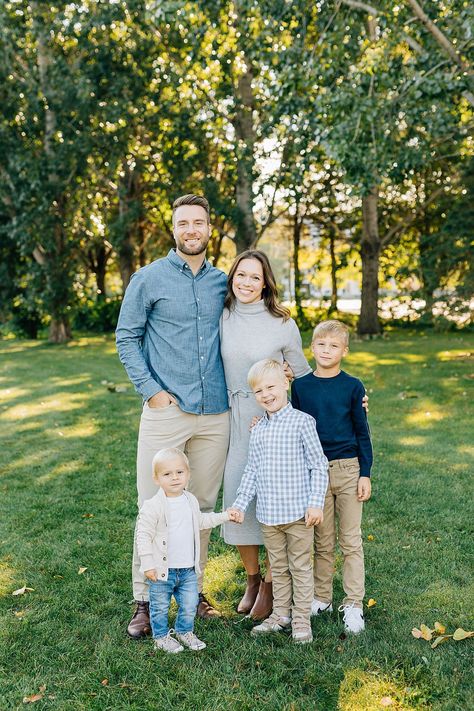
182	583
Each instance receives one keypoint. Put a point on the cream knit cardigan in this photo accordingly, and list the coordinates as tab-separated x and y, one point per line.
152	532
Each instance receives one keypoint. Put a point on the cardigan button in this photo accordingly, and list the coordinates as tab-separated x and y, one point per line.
164	557
162	575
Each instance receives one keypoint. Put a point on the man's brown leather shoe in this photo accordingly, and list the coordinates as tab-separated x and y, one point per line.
205	610
139	626
264	602
250	594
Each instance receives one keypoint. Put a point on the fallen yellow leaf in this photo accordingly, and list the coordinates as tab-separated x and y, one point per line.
386	701
426	633
105	682
20	614
31	699
22	591
371	602
439	640
439	628
81	570
370	537
462	634
416	633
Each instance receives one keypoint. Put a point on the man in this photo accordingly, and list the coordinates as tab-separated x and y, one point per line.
168	341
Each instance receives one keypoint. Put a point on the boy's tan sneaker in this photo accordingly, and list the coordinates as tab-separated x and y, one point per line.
168	644
274	623
190	641
301	632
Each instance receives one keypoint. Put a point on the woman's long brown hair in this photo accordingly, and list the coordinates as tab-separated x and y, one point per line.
270	291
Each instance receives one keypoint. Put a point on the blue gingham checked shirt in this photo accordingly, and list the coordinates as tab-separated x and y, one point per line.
286	468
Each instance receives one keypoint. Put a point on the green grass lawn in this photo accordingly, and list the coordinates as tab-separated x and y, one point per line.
68	501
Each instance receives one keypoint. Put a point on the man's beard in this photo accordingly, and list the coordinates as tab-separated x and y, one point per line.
193	251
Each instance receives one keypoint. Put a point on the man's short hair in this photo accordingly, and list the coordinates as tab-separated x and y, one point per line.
163	455
261	368
332	328
191	199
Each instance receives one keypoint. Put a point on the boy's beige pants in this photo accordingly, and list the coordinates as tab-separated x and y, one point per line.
341	502
205	439
290	548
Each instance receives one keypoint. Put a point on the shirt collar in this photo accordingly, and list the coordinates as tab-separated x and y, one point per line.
183	266
280	414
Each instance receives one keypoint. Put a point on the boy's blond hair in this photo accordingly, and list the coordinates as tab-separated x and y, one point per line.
261	367
163	455
330	328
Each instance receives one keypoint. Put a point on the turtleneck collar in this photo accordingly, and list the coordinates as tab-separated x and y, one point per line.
257	307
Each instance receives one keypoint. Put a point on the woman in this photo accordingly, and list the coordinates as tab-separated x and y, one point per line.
254	326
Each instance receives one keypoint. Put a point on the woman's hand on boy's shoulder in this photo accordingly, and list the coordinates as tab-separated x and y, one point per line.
365	403
255	420
151	575
364	488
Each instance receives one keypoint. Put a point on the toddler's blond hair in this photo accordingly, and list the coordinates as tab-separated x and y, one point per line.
163	455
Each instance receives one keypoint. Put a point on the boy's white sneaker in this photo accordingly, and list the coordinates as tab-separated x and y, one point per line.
274	623
353	618
317	607
301	632
168	644
190	641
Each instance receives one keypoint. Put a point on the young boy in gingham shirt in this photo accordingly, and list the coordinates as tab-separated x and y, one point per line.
287	472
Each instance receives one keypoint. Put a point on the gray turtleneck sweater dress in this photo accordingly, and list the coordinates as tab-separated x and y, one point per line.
250	333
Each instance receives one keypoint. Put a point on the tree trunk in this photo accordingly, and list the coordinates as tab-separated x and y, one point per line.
300	314
59	330
332	252
246	232
126	242
369	323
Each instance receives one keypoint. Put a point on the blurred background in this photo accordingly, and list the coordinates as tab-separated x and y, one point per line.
336	136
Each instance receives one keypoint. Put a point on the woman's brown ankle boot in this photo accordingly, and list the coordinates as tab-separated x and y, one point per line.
250	594
264	602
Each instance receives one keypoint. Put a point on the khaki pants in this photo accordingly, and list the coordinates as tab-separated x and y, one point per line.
289	549
205	439
341	501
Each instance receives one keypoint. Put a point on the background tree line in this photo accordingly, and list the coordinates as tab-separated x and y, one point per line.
351	116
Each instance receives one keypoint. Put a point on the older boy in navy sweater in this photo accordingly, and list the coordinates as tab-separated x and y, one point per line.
334	399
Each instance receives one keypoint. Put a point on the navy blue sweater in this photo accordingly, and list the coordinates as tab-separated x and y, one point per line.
341	421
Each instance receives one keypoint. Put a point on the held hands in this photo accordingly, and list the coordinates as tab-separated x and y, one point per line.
151	575
313	517
235	515
364	488
161	399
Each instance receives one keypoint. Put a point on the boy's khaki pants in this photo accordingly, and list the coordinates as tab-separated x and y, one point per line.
204	439
341	501
289	549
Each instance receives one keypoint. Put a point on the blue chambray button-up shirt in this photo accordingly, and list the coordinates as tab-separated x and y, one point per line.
168	333
286	468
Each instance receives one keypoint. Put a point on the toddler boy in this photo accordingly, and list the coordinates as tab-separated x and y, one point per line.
334	399
168	546
287	472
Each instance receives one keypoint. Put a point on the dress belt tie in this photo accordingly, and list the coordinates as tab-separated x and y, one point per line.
235	415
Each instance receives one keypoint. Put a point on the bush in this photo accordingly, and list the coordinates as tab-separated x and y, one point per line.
98	316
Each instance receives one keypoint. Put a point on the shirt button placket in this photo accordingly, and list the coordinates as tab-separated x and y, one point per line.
200	343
